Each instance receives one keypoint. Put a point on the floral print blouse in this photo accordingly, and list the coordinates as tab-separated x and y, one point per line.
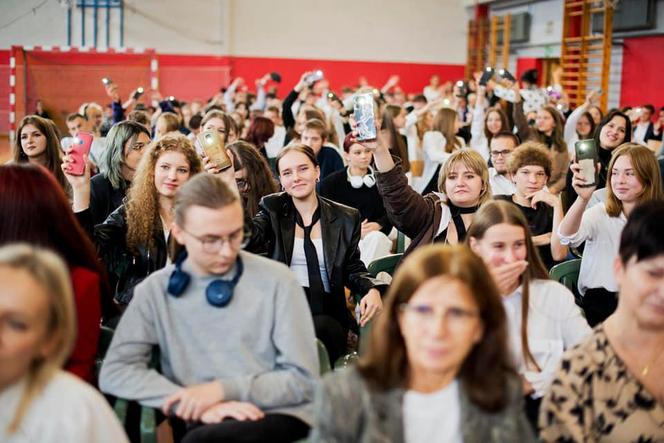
595	398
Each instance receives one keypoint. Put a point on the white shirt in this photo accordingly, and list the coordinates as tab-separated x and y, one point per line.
435	155
299	262
434	417
602	236
500	184
555	323
640	130
67	410
478	140
276	142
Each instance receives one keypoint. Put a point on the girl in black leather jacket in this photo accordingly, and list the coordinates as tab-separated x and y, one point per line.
133	241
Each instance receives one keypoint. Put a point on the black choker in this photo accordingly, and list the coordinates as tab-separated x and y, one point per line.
457	210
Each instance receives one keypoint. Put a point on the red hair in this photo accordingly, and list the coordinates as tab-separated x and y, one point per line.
35	210
260	131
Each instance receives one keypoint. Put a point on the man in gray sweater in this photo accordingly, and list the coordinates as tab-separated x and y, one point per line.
245	369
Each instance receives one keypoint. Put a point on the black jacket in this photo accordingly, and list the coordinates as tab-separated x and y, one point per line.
104	198
125	269
274	227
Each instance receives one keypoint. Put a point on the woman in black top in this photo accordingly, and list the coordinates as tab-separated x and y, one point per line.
318	239
125	146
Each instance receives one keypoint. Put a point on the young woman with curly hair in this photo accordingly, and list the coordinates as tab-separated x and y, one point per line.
133	240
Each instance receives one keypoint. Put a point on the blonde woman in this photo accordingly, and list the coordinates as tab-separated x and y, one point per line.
40	402
133	240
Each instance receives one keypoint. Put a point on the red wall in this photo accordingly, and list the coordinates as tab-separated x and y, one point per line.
4	91
643	65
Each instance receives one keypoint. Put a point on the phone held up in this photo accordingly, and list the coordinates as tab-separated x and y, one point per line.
363	111
587	158
214	148
78	147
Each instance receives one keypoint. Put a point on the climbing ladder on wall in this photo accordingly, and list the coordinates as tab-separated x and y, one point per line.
499	40
478	35
586	56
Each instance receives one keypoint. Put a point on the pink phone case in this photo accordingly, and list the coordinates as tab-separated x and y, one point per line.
80	146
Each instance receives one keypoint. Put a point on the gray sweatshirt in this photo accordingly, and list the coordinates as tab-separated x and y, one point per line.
261	346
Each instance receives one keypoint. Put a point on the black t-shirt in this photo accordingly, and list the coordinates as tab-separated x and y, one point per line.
366	200
540	221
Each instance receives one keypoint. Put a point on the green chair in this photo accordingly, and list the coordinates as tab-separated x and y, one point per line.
567	273
401	242
384	264
105	337
323	358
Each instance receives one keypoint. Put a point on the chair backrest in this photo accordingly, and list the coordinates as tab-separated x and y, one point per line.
567	273
401	242
105	338
323	358
384	264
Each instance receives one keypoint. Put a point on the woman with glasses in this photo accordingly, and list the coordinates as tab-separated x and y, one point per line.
132	241
126	142
437	366
252	175
542	318
318	239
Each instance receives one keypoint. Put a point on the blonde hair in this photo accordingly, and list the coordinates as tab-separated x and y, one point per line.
51	274
647	172
473	160
142	199
443	122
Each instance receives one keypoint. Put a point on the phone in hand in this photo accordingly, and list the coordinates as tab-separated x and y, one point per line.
486	76
80	146
275	76
137	94
507	75
106	81
587	157
314	77
215	148
363	111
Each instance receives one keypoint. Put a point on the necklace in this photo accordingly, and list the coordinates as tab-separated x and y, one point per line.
646	369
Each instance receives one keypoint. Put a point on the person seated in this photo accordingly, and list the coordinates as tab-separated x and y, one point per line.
314	135
424	377
543	319
633	179
609	387
236	341
29	196
77	123
318	239
133	241
529	167
500	149
486	124
355	186
252	175
40	402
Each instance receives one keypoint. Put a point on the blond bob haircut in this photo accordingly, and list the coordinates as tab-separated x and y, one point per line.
475	162
51	274
647	172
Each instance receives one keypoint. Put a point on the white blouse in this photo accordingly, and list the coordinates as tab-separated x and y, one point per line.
433	417
500	184
299	262
67	410
555	323
602	236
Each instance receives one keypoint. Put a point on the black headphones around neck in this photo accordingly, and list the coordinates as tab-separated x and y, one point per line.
218	293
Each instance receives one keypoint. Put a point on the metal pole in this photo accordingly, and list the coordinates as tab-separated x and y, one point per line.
69	25
122	23
96	6
108	23
83	23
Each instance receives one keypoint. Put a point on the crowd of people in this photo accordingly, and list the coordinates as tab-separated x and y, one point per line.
223	283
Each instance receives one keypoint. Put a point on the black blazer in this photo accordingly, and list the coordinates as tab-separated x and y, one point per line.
274	227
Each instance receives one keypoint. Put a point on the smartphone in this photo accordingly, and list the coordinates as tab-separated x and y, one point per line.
215	148
463	89
139	91
106	81
507	75
276	77
80	145
587	158
363	111
486	75
314	77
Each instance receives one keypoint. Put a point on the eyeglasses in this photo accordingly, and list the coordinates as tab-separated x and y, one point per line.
426	314
212	245
242	184
501	153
